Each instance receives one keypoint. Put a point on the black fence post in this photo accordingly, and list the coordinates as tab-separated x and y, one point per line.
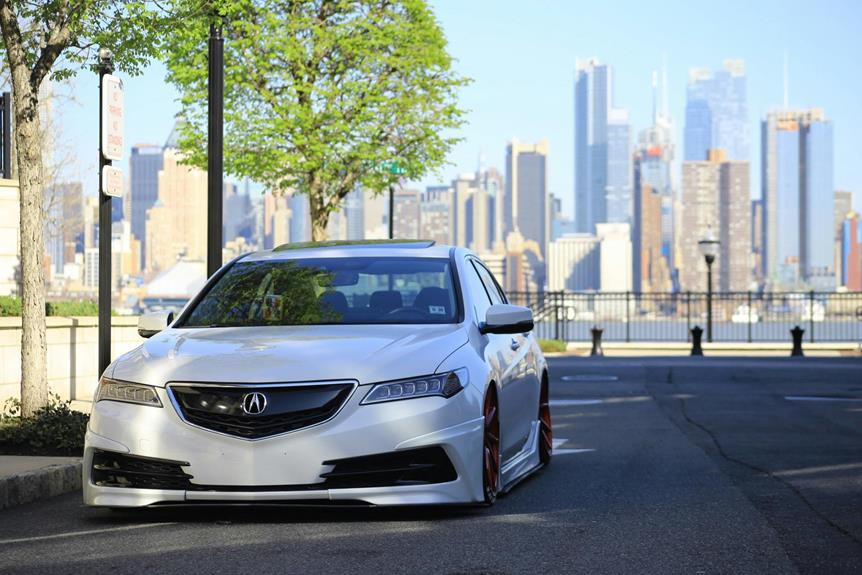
688	314
811	316
796	333
557	297
749	316
628	317
696	335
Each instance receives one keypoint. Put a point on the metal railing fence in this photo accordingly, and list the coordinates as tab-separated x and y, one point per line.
737	316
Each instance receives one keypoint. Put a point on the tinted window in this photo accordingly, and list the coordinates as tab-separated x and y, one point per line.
330	291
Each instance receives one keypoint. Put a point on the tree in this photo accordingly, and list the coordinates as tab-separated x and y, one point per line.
322	95
56	37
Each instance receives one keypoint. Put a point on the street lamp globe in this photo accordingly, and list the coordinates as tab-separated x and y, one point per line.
709	246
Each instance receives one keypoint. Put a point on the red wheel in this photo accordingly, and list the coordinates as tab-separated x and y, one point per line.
546	433
491	444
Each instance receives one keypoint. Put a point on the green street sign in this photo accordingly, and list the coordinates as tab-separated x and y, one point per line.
390	166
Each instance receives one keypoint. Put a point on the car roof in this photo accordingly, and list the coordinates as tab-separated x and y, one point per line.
352	249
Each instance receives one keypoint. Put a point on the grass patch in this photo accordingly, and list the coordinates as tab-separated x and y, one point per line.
53	430
552	345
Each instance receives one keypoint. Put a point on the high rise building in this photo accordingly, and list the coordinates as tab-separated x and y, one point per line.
716	112
10	233
478	220
64	223
653	167
851	252
238	221
435	215
174	228
843	205
493	183
618	193
757	240
463	188
407	214
145	163
602	150
650	273
798	202
716	198
573	263
615	257
300	218
528	201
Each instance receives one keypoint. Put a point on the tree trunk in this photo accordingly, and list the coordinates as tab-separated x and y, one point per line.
319	213
34	380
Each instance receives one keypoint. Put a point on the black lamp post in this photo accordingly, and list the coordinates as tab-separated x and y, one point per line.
106	66
709	248
215	149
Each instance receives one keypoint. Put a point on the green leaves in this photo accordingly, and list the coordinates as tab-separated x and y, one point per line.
318	90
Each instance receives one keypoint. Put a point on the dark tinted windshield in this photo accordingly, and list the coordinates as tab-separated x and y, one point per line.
329	291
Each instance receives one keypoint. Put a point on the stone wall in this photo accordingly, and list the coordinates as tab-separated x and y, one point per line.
72	353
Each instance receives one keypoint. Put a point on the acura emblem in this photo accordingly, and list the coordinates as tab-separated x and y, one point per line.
253	403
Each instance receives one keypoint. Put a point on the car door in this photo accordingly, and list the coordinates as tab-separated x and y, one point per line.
512	349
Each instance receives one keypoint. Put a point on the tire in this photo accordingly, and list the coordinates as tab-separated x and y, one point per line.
491	447
546	432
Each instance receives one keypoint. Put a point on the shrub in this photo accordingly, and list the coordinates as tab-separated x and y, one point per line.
10	306
54	430
71	308
552	345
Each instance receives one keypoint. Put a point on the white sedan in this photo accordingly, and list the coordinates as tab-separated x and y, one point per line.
376	373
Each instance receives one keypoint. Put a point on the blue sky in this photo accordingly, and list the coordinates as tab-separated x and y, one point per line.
521	56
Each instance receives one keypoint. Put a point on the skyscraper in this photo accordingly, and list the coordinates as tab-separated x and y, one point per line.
716	112
144	165
407	214
527	197
798	202
602	150
851	252
618	193
716	196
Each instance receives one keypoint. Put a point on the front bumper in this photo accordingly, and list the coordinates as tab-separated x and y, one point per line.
295	459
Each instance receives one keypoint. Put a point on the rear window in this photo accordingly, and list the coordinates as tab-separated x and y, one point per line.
330	291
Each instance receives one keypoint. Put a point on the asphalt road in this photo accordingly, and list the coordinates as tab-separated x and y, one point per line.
668	466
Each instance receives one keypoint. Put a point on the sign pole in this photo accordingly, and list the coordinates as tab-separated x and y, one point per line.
215	152
106	66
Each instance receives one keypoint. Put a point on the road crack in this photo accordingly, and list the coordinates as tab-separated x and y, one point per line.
730	458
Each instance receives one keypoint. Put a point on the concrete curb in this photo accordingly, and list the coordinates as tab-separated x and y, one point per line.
40	484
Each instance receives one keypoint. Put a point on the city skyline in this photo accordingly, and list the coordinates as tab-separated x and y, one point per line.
537	103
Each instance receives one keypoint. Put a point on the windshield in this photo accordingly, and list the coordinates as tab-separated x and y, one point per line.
329	291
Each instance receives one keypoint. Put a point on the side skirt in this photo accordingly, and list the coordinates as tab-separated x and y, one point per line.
521	465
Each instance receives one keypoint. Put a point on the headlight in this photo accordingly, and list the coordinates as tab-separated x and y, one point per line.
443	385
127	392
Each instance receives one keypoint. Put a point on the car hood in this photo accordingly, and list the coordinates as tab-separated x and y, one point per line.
367	353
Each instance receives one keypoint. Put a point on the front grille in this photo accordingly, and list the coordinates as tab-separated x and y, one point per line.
287	408
409	467
111	469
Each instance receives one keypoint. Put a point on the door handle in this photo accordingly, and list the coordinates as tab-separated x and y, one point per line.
514	345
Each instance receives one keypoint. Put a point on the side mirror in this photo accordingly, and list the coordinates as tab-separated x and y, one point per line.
152	323
505	318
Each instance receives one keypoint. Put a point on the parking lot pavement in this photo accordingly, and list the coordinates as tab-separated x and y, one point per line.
662	466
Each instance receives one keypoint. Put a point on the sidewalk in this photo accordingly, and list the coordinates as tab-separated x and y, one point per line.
26	478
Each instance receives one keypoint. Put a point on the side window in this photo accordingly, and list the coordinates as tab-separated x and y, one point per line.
478	295
490	285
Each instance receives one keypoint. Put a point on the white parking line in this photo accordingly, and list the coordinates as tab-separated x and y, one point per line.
819	398
566	402
80	533
588	377
560	441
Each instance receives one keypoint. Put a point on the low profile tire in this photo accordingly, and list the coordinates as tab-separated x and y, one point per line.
491	447
546	433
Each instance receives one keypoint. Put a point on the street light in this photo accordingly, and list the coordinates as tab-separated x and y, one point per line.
709	248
